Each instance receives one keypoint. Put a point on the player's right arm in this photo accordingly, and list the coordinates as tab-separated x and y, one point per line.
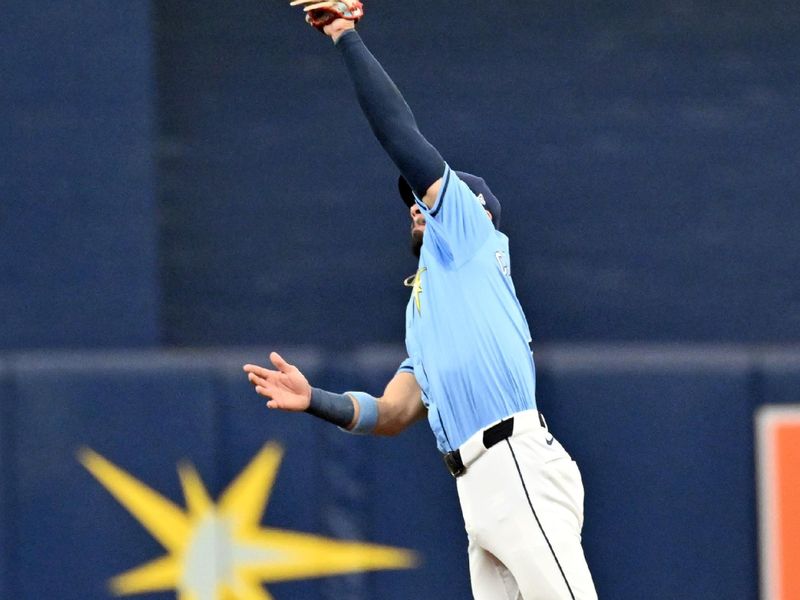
388	115
286	388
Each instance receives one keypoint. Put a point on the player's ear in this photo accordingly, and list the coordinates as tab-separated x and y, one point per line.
488	214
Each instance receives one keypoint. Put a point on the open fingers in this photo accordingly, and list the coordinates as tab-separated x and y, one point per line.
263	387
267	390
312	4
260	371
271	393
319	5
256	380
279	362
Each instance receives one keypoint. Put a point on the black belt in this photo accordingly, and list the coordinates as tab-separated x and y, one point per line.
491	436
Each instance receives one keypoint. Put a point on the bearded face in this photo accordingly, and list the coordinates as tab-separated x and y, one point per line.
417	230
416	242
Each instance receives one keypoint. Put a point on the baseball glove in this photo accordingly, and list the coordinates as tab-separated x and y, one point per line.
319	14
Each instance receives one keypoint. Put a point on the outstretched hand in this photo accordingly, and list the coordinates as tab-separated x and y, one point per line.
332	17
287	388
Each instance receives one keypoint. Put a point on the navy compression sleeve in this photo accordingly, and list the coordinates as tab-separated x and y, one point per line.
389	116
334	408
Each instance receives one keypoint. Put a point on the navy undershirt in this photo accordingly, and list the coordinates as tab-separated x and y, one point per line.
389	116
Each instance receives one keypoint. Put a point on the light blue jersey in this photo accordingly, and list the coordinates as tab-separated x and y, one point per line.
466	335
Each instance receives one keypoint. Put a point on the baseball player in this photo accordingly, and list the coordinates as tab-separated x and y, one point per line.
469	365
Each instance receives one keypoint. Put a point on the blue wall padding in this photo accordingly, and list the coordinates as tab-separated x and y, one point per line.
7	482
77	180
143	418
245	425
664	439
665	448
780	379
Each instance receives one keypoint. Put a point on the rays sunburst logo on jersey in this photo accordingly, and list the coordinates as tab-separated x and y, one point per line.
219	551
415	283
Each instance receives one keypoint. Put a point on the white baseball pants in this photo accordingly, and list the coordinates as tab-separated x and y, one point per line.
522	501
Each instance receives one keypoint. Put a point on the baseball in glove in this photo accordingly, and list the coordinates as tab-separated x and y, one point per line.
319	14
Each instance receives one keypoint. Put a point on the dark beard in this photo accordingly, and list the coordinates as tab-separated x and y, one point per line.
416	242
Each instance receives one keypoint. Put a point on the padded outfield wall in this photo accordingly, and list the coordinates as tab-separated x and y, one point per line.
663	435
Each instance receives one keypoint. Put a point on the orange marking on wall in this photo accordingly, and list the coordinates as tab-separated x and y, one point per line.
787	463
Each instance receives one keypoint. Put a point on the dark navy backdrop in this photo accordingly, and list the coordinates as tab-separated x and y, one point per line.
77	186
646	157
192	173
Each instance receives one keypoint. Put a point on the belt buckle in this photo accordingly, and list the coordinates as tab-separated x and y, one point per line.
454	463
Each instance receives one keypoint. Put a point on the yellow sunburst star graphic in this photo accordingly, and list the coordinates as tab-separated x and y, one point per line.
220	551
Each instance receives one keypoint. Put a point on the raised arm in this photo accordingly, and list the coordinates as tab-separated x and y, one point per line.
389	116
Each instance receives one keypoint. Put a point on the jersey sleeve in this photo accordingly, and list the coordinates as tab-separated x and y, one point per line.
406	367
457	224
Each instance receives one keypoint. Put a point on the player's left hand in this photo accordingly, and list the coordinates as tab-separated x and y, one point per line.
287	388
323	15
